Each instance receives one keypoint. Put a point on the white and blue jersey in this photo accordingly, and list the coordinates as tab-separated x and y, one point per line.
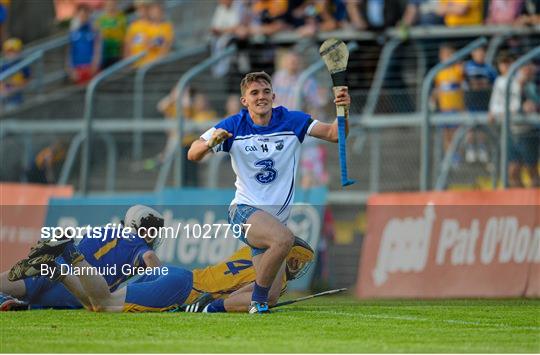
265	158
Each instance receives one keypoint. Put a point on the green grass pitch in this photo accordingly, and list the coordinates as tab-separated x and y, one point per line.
332	324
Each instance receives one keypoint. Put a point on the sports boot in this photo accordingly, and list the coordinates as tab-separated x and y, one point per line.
258	307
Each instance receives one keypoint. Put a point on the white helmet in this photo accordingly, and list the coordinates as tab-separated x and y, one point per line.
143	216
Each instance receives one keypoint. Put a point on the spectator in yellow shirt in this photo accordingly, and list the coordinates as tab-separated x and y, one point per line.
157	35
135	40
461	12
11	89
448	93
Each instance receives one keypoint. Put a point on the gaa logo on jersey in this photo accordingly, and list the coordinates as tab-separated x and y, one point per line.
280	144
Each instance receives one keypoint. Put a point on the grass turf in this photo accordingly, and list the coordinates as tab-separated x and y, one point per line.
332	324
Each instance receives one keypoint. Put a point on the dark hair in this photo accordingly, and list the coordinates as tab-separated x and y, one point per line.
505	57
84	7
254	77
152	221
447	45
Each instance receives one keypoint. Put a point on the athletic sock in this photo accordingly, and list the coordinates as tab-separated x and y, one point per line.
260	294
217	306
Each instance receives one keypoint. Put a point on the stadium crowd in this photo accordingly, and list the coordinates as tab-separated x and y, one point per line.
100	35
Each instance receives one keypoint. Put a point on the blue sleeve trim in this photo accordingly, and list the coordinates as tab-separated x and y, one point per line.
300	123
229	124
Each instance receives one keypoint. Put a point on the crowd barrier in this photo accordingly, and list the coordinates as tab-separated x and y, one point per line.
23	208
452	244
190	213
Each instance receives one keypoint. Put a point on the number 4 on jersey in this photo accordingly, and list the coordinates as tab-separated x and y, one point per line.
236	266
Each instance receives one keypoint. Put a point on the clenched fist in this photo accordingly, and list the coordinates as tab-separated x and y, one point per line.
218	136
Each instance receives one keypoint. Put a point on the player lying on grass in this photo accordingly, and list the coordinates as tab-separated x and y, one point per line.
213	282
228	282
264	144
101	248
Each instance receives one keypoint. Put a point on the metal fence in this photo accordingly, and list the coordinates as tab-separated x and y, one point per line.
385	145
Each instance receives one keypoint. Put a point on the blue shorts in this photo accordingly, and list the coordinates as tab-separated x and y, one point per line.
158	294
524	148
239	214
41	292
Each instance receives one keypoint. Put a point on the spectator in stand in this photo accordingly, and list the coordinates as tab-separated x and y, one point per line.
332	14
135	40
112	29
461	12
527	139
196	108
448	92
422	13
73	5
268	17
479	79
504	12
11	95
321	15
530	15
84	50
4	6
479	74
44	168
232	106
531	89
313	155
158	36
94	5
375	15
227	26
523	150
283	82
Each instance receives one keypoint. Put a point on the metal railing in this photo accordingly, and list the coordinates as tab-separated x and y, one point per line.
505	127
425	159
458	137
88	115
104	128
110	148
24	63
138	90
181	87
63	40
361	122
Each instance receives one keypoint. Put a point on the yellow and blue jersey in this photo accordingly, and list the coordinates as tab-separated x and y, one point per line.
158	38
181	286
108	247
41	292
226	277
449	83
473	16
136	36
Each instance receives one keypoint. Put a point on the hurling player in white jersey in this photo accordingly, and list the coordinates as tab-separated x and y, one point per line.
264	144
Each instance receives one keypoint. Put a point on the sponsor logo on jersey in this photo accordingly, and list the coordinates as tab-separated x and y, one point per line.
280	144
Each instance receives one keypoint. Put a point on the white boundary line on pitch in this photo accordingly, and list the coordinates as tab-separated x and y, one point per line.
451	321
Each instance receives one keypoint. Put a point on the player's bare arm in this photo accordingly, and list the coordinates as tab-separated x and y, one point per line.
151	259
201	147
329	131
